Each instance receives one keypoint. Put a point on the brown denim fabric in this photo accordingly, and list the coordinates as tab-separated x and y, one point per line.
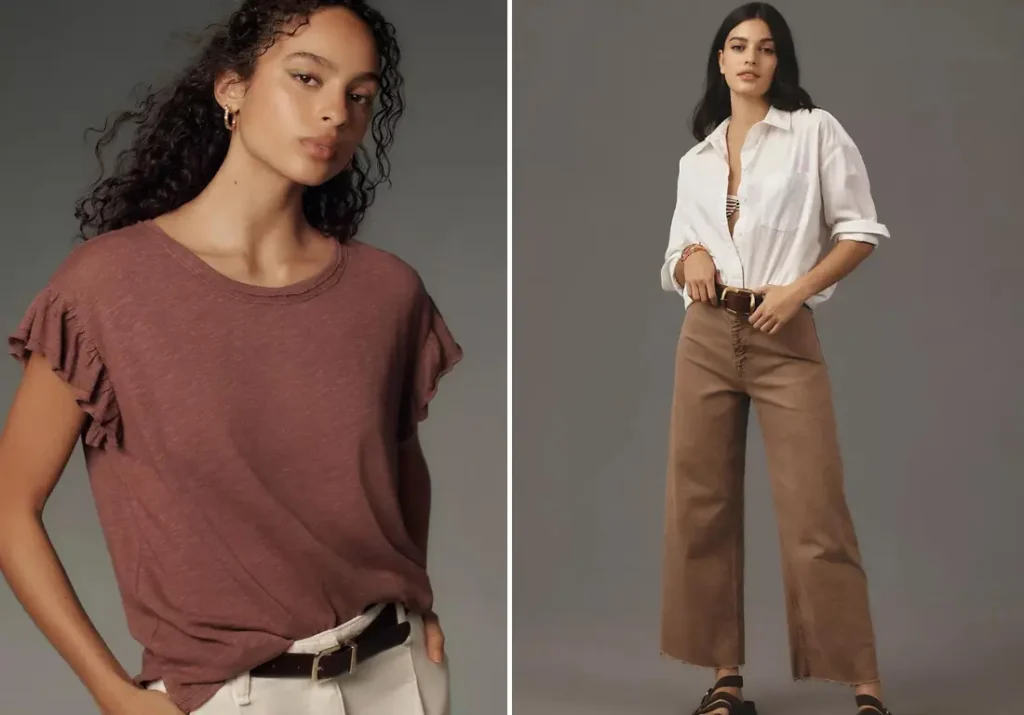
722	364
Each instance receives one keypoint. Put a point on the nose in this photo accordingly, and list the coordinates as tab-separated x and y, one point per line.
335	113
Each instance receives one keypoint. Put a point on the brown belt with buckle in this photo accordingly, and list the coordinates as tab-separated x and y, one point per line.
738	301
383	633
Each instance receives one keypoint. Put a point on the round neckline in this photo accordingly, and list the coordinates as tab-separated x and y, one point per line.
302	289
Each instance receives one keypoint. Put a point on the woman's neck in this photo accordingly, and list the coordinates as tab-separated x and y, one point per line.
748	111
247	205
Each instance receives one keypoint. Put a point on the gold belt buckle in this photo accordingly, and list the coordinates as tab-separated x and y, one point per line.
328	651
729	289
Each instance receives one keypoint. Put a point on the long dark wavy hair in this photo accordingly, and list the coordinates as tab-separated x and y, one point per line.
785	92
180	140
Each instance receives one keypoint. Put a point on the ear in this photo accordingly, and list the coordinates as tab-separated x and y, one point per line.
229	90
721	67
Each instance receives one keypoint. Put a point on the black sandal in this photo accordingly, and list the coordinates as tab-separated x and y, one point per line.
869	705
734	706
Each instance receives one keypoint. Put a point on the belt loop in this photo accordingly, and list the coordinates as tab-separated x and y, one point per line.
241	689
403	616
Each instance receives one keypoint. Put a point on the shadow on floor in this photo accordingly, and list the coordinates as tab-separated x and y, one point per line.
984	687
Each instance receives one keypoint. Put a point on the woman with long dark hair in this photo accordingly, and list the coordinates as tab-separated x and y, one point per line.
246	379
773	209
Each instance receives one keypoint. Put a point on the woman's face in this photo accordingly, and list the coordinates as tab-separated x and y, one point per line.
748	59
310	100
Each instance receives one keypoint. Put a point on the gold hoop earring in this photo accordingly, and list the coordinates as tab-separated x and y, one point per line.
230	119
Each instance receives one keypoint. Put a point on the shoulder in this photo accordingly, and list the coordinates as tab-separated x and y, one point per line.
690	162
387	275
688	158
822	127
85	288
103	261
812	119
396	289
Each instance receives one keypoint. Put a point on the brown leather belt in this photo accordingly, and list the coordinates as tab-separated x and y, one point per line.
738	301
383	633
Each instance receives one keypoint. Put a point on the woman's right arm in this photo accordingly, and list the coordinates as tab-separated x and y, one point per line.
41	431
699	281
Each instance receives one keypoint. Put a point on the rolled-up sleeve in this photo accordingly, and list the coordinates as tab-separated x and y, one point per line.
680	234
845	189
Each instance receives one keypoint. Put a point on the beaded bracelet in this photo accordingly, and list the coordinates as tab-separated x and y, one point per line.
692	248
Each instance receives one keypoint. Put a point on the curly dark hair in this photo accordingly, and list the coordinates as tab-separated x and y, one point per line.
180	140
785	92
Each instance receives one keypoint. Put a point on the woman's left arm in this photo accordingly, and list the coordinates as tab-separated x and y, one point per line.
435	354
845	256
849	211
414	493
414	496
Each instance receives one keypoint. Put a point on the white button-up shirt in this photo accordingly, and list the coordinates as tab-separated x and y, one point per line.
803	187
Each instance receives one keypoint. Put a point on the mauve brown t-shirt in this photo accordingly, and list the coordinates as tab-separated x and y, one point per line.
241	441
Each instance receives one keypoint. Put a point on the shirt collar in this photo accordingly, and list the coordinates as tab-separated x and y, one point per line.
778	118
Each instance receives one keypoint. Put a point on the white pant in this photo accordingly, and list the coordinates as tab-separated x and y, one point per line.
400	681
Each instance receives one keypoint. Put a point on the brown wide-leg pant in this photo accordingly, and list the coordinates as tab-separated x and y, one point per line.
723	363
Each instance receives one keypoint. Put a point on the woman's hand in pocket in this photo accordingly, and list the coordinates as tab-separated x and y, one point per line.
144	702
434	637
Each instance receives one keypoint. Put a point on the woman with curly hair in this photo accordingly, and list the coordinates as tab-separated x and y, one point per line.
246	379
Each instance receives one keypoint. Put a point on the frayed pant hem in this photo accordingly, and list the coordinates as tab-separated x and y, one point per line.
715	666
851	684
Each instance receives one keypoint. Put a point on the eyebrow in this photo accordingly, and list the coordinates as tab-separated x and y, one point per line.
744	39
324	62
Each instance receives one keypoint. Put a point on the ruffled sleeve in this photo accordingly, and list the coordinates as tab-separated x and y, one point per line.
51	327
436	353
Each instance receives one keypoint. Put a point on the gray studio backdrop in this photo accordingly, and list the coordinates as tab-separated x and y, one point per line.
71	63
923	341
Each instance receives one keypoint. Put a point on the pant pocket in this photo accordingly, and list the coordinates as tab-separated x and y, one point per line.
433	679
223	701
402	680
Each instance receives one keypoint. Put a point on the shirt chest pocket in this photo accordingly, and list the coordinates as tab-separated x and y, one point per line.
780	200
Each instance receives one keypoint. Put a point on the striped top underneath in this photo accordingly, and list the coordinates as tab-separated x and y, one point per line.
732	205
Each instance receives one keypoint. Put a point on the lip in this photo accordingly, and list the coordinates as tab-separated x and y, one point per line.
323	148
747	75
